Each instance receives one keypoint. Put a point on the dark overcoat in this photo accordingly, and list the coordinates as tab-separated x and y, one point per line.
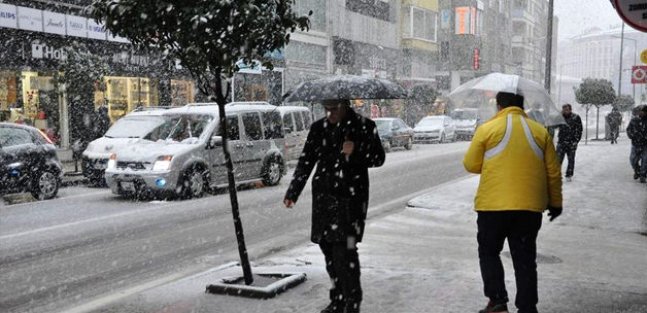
570	133
340	186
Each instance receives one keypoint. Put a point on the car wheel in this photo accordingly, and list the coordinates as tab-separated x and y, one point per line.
193	184
45	185
387	146
272	172
409	144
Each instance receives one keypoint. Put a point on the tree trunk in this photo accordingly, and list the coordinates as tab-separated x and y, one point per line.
586	127
597	122
233	195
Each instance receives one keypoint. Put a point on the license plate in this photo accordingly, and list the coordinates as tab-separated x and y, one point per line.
127	186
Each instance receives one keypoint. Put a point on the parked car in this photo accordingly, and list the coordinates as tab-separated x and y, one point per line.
394	133
28	162
466	121
183	156
437	128
296	125
125	131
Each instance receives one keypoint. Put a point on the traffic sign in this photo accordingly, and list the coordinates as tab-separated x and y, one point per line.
633	12
643	56
639	74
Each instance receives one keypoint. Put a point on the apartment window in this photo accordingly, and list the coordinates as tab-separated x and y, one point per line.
423	26
379	9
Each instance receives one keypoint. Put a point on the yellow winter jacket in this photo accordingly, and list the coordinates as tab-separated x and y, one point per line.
517	162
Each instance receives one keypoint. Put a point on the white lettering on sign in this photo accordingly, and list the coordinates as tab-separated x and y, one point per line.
8	17
42	51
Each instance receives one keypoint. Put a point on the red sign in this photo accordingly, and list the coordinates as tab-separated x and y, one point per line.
639	74
477	56
633	12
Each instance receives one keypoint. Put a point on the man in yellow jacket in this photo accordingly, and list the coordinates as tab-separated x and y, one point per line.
520	178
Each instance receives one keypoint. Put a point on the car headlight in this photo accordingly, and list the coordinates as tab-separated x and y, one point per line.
112	162
163	163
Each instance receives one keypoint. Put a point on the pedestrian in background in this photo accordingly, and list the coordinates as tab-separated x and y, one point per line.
568	138
614	120
343	145
637	132
101	121
520	178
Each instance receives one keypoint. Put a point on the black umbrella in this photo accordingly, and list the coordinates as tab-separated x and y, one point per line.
345	87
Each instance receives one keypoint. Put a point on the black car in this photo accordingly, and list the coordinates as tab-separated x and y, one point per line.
28	162
394	133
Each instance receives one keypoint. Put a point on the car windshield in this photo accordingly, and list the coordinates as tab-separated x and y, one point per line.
464	115
134	126
383	126
181	128
430	122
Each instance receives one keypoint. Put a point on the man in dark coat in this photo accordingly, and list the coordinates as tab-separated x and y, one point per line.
568	137
614	119
343	145
101	122
637	132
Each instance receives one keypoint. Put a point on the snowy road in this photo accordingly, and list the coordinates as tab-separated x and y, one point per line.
87	243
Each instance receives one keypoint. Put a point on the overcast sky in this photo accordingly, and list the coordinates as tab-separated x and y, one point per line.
578	15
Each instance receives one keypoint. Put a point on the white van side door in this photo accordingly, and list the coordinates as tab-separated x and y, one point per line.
253	153
235	144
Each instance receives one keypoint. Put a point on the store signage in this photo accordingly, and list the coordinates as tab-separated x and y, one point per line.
76	26
639	74
477	59
95	30
42	51
30	19
8	16
54	23
633	12
643	56
445	18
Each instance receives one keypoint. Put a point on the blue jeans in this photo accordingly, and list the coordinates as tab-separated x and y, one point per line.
638	160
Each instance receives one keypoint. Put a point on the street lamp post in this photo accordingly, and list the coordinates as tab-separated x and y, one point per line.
622	43
549	46
622	39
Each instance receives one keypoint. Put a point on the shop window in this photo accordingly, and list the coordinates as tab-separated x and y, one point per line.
181	92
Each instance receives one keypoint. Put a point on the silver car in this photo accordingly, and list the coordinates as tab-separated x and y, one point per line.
437	128
183	156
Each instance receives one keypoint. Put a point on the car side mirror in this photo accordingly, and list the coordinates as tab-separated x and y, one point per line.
215	141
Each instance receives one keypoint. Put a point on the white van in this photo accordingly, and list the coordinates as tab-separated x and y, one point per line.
296	124
184	155
125	131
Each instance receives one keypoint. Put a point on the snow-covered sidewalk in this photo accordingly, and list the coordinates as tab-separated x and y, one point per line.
424	258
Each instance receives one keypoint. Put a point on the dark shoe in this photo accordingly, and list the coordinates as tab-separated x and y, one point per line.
636	175
495	308
352	307
643	180
334	307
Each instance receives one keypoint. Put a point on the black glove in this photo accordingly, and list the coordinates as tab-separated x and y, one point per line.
554	212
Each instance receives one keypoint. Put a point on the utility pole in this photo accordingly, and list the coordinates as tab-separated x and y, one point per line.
622	43
549	47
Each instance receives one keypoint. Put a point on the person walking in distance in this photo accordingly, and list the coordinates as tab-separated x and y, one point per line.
520	179
614	119
568	138
637	132
343	145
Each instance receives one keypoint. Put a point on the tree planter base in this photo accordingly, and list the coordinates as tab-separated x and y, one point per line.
264	286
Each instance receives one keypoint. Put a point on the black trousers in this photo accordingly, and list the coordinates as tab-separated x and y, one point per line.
520	228
342	264
567	150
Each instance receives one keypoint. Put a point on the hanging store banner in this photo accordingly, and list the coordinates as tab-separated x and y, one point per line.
54	23
95	30
30	19
8	16
77	26
633	12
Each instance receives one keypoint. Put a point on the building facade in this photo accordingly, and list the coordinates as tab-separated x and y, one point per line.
58	66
